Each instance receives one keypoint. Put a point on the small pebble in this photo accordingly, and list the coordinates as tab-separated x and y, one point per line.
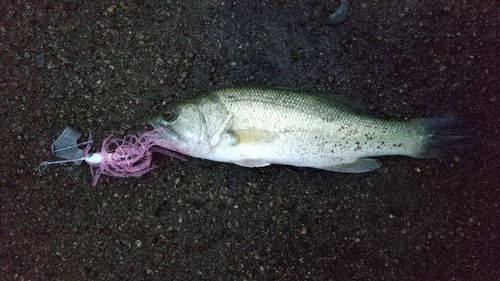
39	59
340	14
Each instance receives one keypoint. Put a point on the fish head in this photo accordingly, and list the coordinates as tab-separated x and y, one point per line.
183	127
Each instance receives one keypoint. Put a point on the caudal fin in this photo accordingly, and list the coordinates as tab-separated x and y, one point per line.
448	137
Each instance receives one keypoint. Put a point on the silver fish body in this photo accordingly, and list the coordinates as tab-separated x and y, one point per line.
255	127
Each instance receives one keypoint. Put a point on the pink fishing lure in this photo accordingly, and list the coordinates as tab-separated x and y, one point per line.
130	156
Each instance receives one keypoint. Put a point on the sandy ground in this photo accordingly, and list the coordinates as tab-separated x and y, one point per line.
108	66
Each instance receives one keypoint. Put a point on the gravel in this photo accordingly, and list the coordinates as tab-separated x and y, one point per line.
107	66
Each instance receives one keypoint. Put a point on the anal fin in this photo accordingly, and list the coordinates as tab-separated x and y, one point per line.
359	166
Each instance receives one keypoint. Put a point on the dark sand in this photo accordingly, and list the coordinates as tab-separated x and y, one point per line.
107	66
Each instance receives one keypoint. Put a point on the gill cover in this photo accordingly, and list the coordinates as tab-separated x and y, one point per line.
195	127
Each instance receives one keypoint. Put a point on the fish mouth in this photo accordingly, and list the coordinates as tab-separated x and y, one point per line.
165	132
155	123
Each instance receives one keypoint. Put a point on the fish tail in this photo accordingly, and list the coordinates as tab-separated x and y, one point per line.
447	137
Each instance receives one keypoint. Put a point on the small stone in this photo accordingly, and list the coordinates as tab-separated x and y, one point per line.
303	230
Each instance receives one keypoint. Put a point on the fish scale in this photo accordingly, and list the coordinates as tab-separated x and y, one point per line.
324	125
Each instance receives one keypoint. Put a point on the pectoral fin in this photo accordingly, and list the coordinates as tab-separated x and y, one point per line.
359	166
253	136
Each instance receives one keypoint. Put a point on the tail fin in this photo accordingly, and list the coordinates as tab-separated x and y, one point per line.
448	137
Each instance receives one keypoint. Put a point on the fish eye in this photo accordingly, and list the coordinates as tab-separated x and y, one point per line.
170	116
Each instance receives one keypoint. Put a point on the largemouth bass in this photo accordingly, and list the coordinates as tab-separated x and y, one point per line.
256	127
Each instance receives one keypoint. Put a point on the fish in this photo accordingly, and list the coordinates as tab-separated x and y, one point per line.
259	126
